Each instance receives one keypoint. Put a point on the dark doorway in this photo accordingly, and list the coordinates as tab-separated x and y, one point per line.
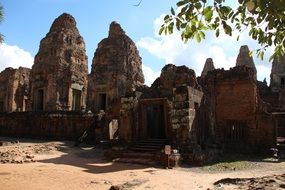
40	100
76	99
102	101
155	121
234	131
1	106
282	82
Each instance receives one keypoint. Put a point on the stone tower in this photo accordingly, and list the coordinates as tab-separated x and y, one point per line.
116	70
244	59
14	89
209	66
277	77
59	73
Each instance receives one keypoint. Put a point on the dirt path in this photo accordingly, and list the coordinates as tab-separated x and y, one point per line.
57	166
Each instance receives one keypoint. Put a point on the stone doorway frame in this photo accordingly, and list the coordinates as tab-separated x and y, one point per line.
141	132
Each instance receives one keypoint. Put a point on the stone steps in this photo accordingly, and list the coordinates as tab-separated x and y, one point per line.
147	145
127	156
143	161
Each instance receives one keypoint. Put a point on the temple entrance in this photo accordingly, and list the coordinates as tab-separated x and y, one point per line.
153	119
102	103
1	106
40	100
76	99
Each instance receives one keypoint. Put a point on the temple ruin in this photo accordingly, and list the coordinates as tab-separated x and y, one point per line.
59	75
226	109
14	85
116	70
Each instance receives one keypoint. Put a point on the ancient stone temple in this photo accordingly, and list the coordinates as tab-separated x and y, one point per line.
59	74
225	109
166	110
116	70
232	114
277	77
14	89
275	95
244	59
209	66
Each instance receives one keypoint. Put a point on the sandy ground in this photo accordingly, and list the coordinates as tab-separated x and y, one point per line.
56	165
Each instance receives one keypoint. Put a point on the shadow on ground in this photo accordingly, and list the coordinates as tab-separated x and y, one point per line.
90	159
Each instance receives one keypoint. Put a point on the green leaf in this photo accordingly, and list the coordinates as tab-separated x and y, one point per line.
261	55
225	10
202	34
183	25
198	5
250	53
161	30
178	24
208	13
181	3
198	37
227	28
166	17
217	33
172	11
170	28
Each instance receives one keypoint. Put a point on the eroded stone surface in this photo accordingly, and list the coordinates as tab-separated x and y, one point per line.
116	69
245	59
277	77
209	66
171	76
232	112
14	89
59	73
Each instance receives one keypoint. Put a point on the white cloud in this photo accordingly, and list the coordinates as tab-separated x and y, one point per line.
223	50
13	56
149	75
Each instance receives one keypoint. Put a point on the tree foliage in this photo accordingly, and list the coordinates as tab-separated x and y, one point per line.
263	19
1	19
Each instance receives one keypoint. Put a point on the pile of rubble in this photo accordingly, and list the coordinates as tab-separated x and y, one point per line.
267	182
16	153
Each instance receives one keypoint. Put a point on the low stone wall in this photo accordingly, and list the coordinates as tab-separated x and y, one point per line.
45	125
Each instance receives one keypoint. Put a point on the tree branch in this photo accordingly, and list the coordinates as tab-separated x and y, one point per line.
138	4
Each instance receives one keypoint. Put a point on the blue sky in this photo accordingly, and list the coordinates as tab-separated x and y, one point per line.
27	22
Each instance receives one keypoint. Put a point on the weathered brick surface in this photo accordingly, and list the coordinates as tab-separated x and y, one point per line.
209	66
233	96
14	89
183	114
47	125
116	68
181	111
60	67
277	72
